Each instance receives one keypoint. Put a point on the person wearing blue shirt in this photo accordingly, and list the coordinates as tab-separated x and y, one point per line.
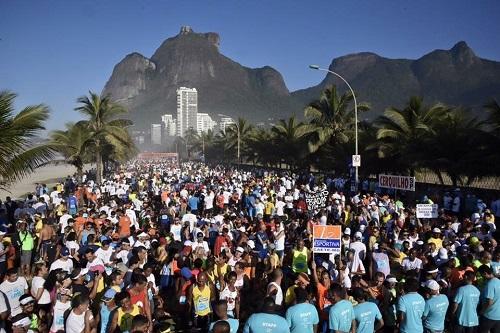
435	308
366	313
341	316
220	309
490	310
267	320
465	305
411	308
302	317
193	204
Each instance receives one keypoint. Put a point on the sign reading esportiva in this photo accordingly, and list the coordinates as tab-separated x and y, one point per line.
405	183
326	238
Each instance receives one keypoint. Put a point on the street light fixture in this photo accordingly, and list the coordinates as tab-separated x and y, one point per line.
316	67
238	132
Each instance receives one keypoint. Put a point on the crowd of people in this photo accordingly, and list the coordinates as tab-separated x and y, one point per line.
165	247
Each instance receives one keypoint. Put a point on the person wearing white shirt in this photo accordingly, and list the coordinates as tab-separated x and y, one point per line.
63	221
14	287
359	252
191	218
64	262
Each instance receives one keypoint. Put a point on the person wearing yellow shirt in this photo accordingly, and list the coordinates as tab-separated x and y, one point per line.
436	238
268	210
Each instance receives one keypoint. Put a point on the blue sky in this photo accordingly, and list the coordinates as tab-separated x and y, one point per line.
55	51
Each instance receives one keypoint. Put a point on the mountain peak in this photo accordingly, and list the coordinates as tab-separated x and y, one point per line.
462	53
185	29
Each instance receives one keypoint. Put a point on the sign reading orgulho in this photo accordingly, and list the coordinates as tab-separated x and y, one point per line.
326	238
405	183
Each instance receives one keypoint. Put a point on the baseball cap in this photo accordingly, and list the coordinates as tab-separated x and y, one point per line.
65	252
109	295
436	230
2	233
432	285
240	249
358	235
347	231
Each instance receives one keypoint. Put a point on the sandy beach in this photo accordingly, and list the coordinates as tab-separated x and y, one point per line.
49	175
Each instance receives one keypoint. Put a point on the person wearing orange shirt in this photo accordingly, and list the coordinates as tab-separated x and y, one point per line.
123	224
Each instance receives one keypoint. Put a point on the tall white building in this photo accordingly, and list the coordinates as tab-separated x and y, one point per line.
225	122
156	134
169	124
187	110
205	123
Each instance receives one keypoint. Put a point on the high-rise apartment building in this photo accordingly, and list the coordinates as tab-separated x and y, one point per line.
225	122
156	134
205	123
169	124
187	110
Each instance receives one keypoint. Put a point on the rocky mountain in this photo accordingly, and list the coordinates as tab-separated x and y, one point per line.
147	86
456	77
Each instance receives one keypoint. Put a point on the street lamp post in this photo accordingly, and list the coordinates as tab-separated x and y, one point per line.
355	113
238	134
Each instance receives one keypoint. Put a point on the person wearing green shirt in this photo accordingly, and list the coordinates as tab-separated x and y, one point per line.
27	244
490	309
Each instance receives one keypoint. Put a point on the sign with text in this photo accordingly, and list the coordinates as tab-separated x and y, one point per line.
326	238
427	211
404	183
356	160
316	200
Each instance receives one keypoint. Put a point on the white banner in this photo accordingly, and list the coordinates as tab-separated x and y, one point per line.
427	211
405	183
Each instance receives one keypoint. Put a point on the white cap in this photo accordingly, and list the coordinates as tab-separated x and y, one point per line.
373	203
443	254
251	243
2	233
240	249
436	230
142	234
375	246
347	231
188	243
358	235
362	228
432	285
476	216
392	279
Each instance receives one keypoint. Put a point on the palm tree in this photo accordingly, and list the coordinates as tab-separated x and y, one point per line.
456	147
493	121
18	156
402	132
104	125
331	118
259	148
245	129
289	141
74	145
